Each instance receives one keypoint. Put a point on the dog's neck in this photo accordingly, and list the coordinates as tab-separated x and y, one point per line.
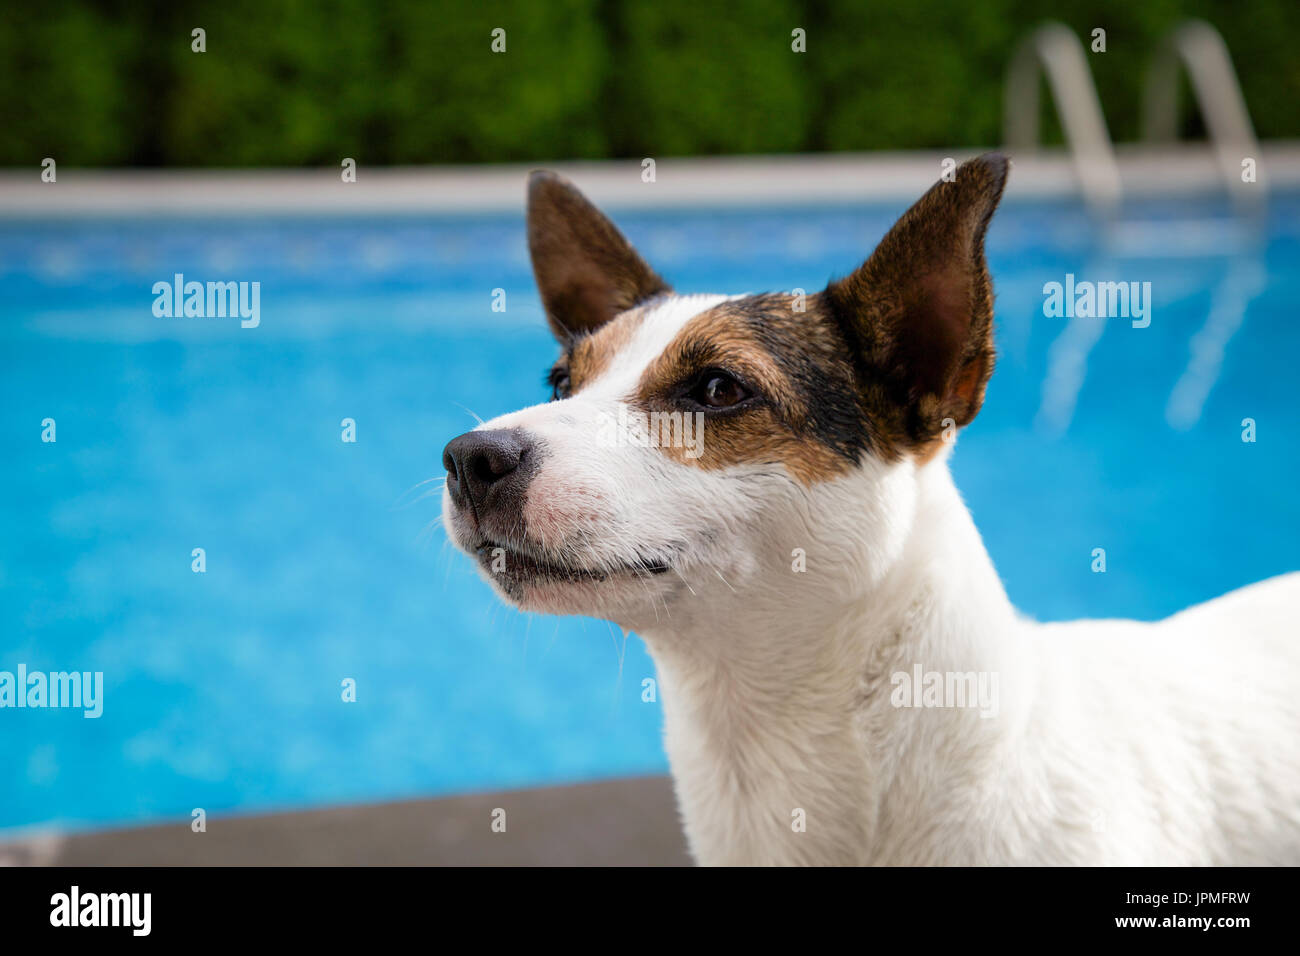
781	733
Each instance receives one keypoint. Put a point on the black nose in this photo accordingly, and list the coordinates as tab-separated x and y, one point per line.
488	471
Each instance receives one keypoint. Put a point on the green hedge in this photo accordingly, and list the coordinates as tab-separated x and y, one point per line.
306	82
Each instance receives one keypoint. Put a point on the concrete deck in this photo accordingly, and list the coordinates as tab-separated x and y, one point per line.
832	178
627	822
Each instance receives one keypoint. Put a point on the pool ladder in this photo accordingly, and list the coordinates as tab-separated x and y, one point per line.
1054	50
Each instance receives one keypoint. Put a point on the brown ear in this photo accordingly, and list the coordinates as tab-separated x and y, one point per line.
586	271
919	313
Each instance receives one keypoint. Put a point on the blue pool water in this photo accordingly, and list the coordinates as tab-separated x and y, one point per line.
324	562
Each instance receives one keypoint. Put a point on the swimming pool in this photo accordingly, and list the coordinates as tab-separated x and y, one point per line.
324	561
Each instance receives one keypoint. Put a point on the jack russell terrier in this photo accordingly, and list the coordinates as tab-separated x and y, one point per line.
805	559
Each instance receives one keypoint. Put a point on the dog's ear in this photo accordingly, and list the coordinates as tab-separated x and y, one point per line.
919	313
586	271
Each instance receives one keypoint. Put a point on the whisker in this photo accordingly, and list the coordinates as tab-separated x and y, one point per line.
470	412
405	501
616	650
684	581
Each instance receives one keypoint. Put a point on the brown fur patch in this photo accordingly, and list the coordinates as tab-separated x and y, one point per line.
590	355
807	415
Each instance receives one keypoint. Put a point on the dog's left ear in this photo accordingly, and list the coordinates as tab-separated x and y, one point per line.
586	271
919	313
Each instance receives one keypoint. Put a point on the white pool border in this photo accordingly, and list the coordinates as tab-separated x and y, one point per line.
713	182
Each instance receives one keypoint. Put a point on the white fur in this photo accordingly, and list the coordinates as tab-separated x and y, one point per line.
1114	742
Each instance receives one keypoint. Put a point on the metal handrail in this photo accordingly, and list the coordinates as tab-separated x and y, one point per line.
1054	50
1199	48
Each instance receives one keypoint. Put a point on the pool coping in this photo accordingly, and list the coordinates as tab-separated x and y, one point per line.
630	821
710	181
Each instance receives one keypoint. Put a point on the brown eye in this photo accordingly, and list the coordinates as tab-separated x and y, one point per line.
559	386
719	390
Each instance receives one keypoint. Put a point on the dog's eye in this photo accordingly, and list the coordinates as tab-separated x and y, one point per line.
559	386
718	390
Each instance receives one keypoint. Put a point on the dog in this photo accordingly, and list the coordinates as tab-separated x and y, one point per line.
809	713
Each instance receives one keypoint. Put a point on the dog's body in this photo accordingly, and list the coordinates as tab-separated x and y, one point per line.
818	549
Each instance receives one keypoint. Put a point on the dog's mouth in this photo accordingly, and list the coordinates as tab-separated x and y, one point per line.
514	565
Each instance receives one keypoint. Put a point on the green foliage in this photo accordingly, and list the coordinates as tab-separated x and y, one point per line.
65	94
692	77
307	82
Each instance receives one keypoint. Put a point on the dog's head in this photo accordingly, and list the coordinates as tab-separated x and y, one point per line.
693	439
